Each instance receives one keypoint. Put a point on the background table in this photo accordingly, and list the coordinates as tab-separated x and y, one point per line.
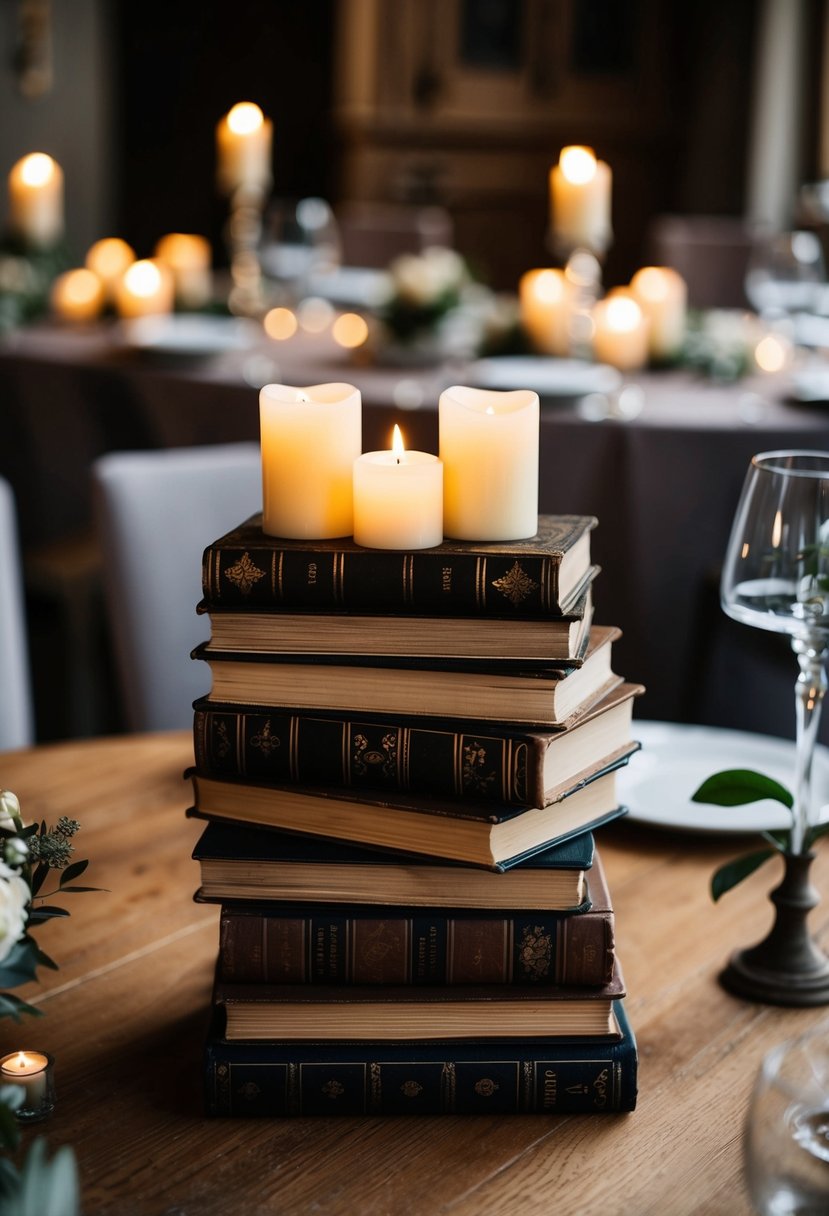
126	1013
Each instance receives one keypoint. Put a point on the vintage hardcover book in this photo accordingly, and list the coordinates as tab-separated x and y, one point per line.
341	944
492	691
394	1013
552	1077
537	577
430	755
490	834
238	863
559	639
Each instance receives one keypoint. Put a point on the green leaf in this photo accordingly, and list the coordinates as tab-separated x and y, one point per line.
74	871
48	1188
20	964
733	872
63	890
46	912
779	840
9	1179
39	876
736	786
11	1096
11	1006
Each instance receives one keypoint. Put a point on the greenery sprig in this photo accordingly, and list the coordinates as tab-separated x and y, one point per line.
737	787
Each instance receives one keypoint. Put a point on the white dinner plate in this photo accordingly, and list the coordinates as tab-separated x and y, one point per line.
548	377
675	759
190	335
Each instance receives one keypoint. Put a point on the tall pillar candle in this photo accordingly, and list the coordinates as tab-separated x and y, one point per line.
489	449
580	188
662	295
243	149
36	200
310	440
398	498
546	299
620	332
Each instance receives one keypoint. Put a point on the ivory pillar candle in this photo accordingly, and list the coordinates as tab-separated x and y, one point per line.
662	295
620	332
545	300
30	1070
77	295
580	188
108	259
243	149
36	200
145	287
310	440
188	256
489	449
398	498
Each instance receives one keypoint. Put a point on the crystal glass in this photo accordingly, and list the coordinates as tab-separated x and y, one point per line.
785	274
776	577
787	1133
300	243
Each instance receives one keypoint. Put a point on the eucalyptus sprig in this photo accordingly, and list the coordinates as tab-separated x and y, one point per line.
737	787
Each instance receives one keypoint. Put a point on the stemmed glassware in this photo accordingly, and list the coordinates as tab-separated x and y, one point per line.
776	577
785	274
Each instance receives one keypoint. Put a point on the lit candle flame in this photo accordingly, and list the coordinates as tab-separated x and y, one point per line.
777	530
36	168
245	118
397	445
578	164
143	278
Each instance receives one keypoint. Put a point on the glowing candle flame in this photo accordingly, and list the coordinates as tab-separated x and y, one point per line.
36	169
578	164
397	445
245	118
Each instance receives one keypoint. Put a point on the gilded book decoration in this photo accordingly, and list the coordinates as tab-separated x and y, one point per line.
244	574
516	585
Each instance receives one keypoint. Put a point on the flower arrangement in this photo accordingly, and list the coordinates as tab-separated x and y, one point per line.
29	857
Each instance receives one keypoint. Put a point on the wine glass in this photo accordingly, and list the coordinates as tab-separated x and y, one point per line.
776	577
787	1132
785	274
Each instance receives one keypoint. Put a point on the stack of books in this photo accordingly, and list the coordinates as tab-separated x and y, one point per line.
403	759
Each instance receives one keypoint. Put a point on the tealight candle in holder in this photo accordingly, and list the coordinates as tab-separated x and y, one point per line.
398	498
662	295
620	332
489	449
77	295
310	440
145	288
188	257
33	1071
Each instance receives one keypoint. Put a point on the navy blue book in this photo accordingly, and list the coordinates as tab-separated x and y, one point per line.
244	863
544	1076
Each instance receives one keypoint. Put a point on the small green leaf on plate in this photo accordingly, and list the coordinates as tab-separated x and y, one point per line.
736	786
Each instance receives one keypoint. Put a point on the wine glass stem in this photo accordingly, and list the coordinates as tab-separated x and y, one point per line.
809	692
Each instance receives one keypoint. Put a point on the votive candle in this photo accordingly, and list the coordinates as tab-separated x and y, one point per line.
310	440
398	498
29	1070
36	200
489	449
188	256
546	299
662	294
77	295
620	331
145	288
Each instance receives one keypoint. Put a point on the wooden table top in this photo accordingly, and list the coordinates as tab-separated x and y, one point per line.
126	1013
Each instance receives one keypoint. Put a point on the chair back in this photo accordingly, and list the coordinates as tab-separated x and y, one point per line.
16	713
711	252
373	234
156	513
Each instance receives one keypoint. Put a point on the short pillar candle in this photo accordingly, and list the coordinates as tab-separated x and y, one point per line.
77	295
662	295
243	149
620	331
36	200
188	257
310	440
32	1071
489	449
144	289
546	301
398	498
109	258
580	189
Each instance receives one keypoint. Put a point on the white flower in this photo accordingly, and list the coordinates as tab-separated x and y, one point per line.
420	279
9	811
14	900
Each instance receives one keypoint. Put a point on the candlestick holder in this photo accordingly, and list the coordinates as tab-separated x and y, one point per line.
583	272
32	1071
243	234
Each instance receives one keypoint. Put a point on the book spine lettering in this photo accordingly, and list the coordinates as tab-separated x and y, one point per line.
605	1083
285	748
533	949
456	584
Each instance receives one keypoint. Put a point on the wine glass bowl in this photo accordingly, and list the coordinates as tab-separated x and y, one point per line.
785	274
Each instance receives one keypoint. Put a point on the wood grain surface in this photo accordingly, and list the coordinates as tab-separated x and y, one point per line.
127	1011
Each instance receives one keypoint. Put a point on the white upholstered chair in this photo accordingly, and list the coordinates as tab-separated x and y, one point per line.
156	512
16	714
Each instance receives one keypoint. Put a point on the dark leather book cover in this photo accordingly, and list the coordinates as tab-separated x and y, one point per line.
456	578
463	759
342	944
552	1077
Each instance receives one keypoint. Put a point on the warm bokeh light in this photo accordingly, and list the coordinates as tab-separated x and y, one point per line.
36	169
350	330
280	323
623	314
77	295
549	286
397	444
653	283
143	278
245	118
315	315
109	257
578	164
183	250
772	353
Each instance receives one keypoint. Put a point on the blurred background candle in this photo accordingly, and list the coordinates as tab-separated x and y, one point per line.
109	258
36	200
662	295
144	288
545	299
620	331
310	440
243	149
188	256
398	498
489	449
580	188
77	295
